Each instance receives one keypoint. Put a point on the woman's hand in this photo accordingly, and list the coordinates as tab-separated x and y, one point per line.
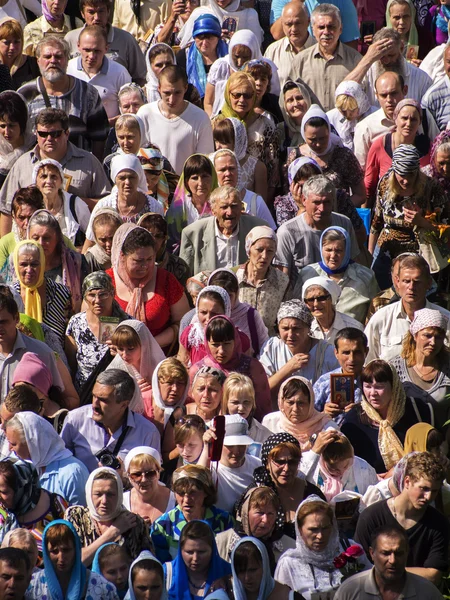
124	522
111	347
144	385
323	439
178	8
209	436
297	362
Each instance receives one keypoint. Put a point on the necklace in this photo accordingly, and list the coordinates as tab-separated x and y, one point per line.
424	374
197	587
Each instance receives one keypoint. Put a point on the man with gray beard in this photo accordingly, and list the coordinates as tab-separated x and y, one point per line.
88	122
386	54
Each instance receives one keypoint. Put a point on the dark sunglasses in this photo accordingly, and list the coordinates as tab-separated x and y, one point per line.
153	171
237	95
291	462
138	475
53	134
318	298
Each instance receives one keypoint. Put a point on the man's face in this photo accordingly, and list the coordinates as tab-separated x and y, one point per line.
52	63
389	93
14	581
421	492
54	144
172	94
228	212
326	30
412	285
392	58
105	409
96	15
92	49
8	323
351	355
318	207
295	23
389	557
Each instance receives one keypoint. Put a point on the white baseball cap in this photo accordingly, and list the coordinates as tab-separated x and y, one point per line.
236	430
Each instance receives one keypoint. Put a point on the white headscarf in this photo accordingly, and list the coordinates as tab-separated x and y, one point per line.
144	555
327	284
267	582
151	87
316	111
240	137
44	444
244	37
196	335
89	484
121	162
141	125
141	450
43	163
157	398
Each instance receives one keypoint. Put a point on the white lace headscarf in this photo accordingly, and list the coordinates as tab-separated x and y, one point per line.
196	335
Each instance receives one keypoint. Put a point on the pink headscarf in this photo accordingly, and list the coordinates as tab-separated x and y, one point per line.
33	371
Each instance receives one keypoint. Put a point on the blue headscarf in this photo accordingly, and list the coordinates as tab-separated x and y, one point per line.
96	567
78	576
195	66
144	555
218	568
348	247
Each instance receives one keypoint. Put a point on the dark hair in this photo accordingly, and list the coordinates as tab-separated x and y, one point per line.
390	531
289	85
378	371
15	109
9	473
50	116
226	280
112	550
14	556
197	530
260	69
213	296
95	4
307	171
27	196
21	398
7	301
156	51
150	565
174	74
316	122
434	440
94	30
352	334
138	238
223	131
244	553
219	330
154	221
196	165
293	387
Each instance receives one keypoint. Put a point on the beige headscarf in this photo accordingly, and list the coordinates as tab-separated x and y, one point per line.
391	448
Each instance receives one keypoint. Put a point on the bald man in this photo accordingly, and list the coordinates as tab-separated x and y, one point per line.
294	24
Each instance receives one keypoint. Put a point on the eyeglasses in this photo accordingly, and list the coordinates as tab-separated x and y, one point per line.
237	95
153	171
291	462
53	134
317	299
138	475
100	296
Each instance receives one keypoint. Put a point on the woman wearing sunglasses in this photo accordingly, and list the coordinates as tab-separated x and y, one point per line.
147	498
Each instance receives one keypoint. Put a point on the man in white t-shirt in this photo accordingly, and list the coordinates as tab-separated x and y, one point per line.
234	472
176	126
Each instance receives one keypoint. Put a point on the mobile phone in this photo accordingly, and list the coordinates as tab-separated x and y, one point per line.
367	28
215	448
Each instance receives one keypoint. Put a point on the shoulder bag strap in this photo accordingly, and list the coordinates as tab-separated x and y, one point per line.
43	91
72	206
253	331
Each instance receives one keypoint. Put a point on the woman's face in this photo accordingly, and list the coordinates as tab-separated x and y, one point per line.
46	237
152	178
316	531
6	494
104	496
262	83
207	393
261	520
158	236
10	48
140	263
130	103
284	468
22	218
10	130
130	354
49	180
62	555
400	18
147	585
99	302
317	138
104	235
442	161
196	555
115	570
56	7
29	267
406	181
251	577
296	106
160	62
192	448
206	43
333	253
172	391
378	394
240	55
191	501
430	341
408	121
349	114
339	468
17	444
127	183
293	333
200	185
296	407
262	253
145	477
207	309
240	404
222	352
129	140
318	301
242	99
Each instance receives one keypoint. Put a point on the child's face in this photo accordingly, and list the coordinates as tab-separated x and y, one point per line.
192	448
115	570
240	404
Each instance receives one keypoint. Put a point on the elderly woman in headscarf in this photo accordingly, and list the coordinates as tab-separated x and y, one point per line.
357	283
424	364
351	106
104	225
439	167
405	196
377	426
105	519
295	351
130	135
85	347
129	194
321	295
401	17
310	567
262	285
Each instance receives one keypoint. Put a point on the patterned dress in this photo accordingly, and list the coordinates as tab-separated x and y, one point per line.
98	588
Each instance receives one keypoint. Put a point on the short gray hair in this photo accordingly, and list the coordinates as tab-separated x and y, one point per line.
15	423
52	40
328	10
121	381
386	33
31	248
319	185
223	193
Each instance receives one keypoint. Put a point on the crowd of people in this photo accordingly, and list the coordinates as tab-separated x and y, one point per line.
224	294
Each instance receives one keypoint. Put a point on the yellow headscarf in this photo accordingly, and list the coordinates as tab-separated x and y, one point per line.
391	448
235	79
33	304
416	438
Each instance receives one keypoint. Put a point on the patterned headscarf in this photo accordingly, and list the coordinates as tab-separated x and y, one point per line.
426	317
297	164
295	309
441	139
355	90
259	233
405	159
98	280
240	138
28	488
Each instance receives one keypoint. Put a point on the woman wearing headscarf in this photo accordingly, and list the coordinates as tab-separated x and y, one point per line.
52	22
129	194
112	561
357	283
295	100
22	67
338	163
191	199
44	300
401	17
404	196
377	426
147	576
262	285
69	579
321	295
439	165
424	364
295	351
351	106
130	134
104	225
170	387
105	519
32	438
152	161
310	567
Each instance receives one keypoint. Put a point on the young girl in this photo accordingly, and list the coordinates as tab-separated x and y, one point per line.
104	226
146	579
113	562
189	439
